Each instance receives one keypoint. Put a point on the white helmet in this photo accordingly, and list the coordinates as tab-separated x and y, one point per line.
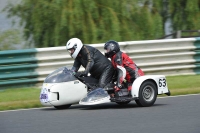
74	46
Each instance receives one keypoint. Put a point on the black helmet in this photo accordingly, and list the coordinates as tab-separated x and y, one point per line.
111	47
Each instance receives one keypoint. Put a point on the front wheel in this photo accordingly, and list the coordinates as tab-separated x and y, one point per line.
63	106
147	94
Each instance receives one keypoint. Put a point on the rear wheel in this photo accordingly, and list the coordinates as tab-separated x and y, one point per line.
63	106
147	94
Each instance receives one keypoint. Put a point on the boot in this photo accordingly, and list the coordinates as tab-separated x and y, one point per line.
121	95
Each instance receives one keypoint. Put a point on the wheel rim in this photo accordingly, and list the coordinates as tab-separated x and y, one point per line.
148	93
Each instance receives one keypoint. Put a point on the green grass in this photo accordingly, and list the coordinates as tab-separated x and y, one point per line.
185	84
29	97
19	98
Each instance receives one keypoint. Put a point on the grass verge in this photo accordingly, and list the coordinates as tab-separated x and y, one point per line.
185	84
19	98
29	97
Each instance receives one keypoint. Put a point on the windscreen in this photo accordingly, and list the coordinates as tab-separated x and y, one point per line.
63	74
95	95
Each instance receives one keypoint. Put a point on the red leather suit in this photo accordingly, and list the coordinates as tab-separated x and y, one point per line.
126	68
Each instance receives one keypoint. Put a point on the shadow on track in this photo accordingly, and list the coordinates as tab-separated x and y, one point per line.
101	107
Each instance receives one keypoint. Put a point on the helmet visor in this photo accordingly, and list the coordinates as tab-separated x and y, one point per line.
71	51
106	51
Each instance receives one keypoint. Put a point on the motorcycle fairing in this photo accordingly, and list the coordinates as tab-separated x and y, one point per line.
61	87
63	74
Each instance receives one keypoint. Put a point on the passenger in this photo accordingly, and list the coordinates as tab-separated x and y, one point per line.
126	68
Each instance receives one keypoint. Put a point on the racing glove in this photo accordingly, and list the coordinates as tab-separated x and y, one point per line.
68	71
72	72
117	92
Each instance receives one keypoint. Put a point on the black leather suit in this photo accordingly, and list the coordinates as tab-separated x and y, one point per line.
94	63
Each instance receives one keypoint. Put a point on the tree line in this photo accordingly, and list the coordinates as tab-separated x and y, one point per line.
49	23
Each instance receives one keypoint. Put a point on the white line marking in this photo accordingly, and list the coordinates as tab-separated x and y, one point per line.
25	109
52	106
180	96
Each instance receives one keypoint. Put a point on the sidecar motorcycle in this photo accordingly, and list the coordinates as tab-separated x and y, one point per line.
62	89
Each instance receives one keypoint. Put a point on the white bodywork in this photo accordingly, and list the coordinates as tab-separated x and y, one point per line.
160	81
57	94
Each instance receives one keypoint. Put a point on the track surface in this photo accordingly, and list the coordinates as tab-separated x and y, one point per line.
168	115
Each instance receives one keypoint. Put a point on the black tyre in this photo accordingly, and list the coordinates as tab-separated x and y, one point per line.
63	106
123	103
147	94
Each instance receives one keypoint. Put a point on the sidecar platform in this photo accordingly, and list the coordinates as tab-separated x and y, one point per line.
96	96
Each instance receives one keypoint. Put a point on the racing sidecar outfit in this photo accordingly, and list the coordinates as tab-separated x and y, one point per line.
94	63
126	69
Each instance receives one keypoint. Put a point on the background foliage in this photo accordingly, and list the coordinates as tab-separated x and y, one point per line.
10	39
54	22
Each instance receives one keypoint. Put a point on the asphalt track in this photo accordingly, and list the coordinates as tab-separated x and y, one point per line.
168	115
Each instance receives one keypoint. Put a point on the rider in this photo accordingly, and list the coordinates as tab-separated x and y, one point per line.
126	68
92	60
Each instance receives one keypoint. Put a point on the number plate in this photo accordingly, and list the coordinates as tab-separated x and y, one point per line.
44	95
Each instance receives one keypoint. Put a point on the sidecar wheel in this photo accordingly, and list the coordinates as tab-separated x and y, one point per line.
147	94
63	106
